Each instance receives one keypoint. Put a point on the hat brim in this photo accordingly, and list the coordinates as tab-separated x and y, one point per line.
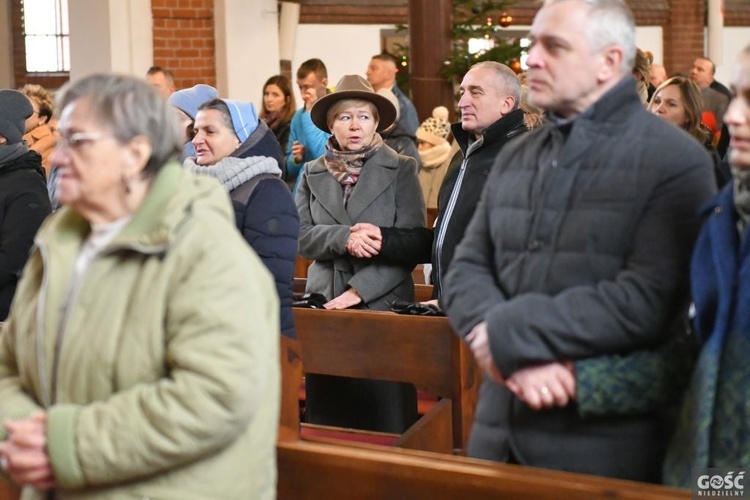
386	109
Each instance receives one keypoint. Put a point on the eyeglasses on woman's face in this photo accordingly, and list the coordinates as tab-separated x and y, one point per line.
76	140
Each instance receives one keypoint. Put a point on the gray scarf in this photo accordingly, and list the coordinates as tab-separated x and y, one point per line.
11	152
233	172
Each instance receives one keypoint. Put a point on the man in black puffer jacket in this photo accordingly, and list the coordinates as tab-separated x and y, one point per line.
23	193
490	118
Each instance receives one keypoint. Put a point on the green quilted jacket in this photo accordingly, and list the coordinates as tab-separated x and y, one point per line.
163	379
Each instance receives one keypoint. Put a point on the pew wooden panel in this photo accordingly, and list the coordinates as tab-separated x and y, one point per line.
328	469
300	266
8	490
422	351
312	470
422	292
432	214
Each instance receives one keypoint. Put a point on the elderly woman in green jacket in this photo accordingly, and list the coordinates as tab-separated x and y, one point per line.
135	361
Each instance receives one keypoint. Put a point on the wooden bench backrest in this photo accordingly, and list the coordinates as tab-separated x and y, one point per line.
314	469
422	351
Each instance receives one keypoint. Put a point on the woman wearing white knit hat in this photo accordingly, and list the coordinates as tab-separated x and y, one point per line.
435	152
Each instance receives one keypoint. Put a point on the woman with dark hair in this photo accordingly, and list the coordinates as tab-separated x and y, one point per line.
232	145
136	362
278	108
358	179
678	100
714	425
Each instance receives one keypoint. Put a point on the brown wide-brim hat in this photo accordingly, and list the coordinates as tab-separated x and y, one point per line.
353	87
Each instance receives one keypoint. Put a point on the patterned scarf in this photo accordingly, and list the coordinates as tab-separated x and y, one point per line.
346	166
742	197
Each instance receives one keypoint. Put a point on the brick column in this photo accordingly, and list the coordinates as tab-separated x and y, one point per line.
183	33
683	35
429	45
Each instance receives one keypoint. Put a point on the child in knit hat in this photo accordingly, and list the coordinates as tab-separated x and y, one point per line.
436	153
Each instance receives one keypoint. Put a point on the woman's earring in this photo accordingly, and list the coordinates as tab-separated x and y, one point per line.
126	183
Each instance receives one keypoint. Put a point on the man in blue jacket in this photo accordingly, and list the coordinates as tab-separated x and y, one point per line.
306	141
381	73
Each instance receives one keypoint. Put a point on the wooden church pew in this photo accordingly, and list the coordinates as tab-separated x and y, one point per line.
422	351
319	469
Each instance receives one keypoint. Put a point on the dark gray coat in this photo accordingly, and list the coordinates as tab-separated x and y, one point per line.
386	194
591	261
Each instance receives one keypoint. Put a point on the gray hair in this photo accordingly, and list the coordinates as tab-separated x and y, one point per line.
507	80
128	107
610	23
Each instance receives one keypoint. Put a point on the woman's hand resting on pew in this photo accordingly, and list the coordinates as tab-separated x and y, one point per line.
347	299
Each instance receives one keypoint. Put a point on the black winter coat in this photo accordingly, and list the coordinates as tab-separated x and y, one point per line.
24	204
415	245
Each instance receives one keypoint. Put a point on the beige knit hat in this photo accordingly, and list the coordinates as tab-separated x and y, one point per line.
435	129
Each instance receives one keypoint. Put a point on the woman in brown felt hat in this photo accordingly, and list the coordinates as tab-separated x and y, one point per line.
358	179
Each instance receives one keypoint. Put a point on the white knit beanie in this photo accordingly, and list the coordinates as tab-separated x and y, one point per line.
435	129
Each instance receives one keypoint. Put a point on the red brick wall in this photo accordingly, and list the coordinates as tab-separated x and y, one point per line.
683	35
184	40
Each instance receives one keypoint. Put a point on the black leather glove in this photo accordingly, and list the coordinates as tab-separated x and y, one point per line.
308	300
415	308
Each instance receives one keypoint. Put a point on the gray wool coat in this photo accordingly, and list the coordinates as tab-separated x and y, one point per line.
386	194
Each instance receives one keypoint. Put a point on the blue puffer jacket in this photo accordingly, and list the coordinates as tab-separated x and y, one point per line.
270	222
268	219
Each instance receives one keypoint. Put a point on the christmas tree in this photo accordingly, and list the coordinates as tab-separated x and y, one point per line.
476	36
